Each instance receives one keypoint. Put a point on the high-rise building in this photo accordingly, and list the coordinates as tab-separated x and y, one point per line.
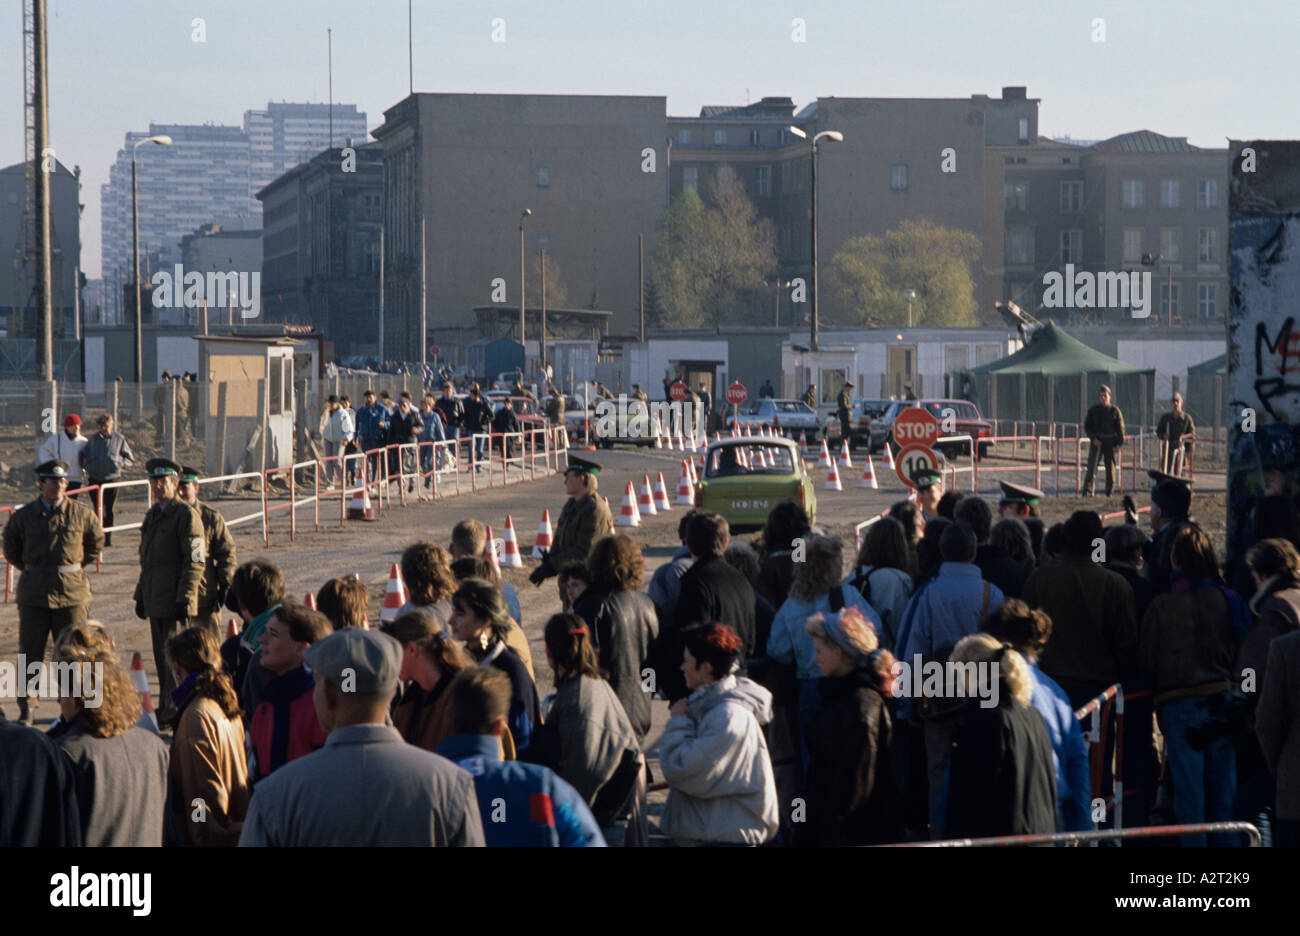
284	135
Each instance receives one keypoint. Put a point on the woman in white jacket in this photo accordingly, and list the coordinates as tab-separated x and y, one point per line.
712	752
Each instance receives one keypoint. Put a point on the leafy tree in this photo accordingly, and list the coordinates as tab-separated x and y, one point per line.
867	278
557	294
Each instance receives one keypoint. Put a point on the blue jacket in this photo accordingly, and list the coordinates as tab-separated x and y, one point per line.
432	430
371	422
1069	753
521	804
790	643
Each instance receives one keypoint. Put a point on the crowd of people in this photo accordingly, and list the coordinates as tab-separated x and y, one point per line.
781	661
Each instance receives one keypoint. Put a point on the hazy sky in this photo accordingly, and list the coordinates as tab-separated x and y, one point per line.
1204	69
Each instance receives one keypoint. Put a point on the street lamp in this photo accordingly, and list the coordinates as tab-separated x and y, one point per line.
837	137
909	295
522	296
161	140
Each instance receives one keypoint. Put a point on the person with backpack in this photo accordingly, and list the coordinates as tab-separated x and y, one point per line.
883	576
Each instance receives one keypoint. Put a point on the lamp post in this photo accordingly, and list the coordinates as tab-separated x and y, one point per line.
523	299
909	295
837	137
161	140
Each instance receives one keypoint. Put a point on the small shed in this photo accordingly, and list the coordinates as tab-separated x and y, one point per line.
488	357
1054	378
250	405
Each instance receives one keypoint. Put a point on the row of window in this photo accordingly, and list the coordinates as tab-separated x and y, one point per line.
1020	245
685	137
761	187
1015	195
1207	297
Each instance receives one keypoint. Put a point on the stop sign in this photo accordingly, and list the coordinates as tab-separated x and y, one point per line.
435	350
736	393
915	426
678	390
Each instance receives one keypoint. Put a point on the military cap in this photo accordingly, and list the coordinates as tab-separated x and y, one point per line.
189	474
848	383
1019	494
582	466
1158	476
161	467
926	477
366	662
54	468
333	398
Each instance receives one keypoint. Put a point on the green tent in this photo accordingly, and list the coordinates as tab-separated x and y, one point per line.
1205	384
1054	353
1215	365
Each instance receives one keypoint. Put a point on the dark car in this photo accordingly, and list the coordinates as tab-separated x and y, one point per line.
967	420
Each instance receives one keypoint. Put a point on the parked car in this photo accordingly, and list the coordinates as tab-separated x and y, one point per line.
863	414
737	484
784	414
967	421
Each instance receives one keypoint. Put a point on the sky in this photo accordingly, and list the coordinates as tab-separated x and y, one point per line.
1208	70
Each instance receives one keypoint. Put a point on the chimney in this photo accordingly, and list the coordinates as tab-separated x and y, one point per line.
1015	93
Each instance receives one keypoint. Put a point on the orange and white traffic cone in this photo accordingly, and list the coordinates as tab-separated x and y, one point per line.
141	683
685	490
360	507
833	479
869	475
695	478
846	460
749	432
824	459
394	595
803	443
659	442
544	535
646	503
510	557
662	504
309	601
889	460
490	552
628	515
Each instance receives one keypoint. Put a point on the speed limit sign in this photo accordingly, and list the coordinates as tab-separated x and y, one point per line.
913	459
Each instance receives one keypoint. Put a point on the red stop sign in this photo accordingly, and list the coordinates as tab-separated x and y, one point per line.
736	393
678	390
915	426
435	350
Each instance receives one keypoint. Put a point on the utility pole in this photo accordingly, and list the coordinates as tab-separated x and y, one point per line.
44	281
381	296
410	48
424	316
640	281
543	263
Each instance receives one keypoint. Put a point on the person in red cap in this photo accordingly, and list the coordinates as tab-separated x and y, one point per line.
66	446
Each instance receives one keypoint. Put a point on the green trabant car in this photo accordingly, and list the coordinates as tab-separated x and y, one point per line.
745	478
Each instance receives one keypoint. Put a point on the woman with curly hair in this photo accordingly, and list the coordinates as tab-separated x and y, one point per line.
120	768
480	620
1000	778
208	762
426	572
850	790
91	638
817	589
623	622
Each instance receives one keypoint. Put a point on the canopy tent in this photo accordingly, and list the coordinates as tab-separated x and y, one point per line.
1215	365
1205	389
1055	377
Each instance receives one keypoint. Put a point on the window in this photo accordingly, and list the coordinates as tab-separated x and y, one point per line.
1024	129
1013	195
753	138
1170	241
762	181
683	136
691	178
1207	245
1132	245
1164	300
898	177
1020	246
719	137
783	136
1132	193
1071	196
275	392
1169	193
543	176
1207	300
1207	194
1071	246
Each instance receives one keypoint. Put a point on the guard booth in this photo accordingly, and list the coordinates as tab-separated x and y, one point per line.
250	405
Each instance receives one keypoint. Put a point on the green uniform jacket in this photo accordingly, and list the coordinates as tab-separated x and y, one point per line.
171	559
845	403
582	521
37	541
220	550
1105	423
810	397
1172	427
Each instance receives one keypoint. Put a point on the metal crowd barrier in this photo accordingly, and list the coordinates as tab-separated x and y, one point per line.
1060	838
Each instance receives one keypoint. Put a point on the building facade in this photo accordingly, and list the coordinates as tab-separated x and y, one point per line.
18	272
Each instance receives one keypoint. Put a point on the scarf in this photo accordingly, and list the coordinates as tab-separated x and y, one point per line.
181	694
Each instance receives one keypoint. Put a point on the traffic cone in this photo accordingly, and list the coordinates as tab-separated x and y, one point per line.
824	459
141	683
889	459
628	516
693	447
833	479
695	478
662	504
309	601
685	490
735	431
869	475
510	557
646	504
749	432
803	443
659	442
846	460
394	595
490	552
360	508
544	535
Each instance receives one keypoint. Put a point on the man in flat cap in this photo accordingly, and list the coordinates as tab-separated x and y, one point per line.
1170	430
929	489
328	797
219	547
1020	502
1104	426
68	447
50	541
1171	505
584	519
172	561
844	410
